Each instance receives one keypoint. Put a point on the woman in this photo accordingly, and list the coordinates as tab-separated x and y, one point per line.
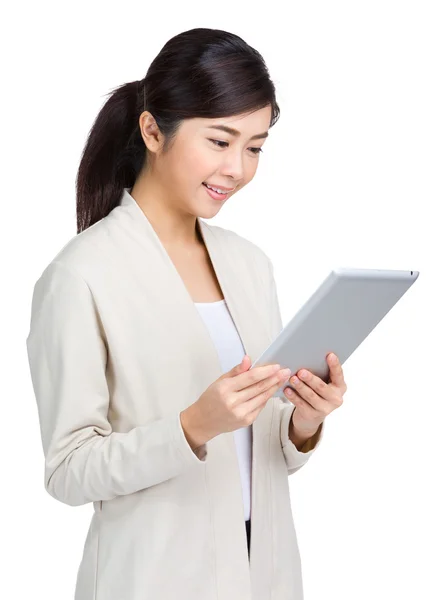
141	331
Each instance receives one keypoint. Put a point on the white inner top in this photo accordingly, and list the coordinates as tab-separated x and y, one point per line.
229	347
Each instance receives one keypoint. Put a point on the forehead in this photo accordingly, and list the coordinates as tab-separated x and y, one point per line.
248	125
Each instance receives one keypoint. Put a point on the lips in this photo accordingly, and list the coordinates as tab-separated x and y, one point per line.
219	187
215	195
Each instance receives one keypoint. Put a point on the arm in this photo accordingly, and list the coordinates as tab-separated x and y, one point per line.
85	460
303	444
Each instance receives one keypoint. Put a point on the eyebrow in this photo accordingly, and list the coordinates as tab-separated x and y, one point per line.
237	133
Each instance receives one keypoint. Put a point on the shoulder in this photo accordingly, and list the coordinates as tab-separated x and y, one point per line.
79	255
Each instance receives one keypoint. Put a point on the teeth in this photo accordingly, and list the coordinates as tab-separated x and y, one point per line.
216	189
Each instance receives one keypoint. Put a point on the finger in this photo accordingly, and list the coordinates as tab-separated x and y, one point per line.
327	392
242	380
316	384
253	403
307	394
336	371
261	387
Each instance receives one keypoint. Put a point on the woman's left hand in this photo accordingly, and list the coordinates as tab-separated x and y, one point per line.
313	398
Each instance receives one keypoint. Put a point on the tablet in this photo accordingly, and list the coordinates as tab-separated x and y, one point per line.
342	312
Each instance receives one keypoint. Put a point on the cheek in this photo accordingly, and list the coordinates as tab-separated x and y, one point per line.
250	173
198	163
252	167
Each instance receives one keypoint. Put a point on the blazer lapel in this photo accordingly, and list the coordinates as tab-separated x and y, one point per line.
239	302
179	306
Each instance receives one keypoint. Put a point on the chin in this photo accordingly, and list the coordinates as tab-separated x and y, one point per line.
209	212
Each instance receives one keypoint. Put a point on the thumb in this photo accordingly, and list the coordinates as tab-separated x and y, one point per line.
244	365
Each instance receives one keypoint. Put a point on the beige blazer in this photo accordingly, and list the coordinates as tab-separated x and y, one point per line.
117	349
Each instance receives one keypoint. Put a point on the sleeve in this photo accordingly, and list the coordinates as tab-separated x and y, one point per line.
293	457
85	461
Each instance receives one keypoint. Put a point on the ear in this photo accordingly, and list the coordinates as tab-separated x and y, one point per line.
152	136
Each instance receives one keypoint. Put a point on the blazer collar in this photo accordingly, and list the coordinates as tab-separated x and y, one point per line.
240	303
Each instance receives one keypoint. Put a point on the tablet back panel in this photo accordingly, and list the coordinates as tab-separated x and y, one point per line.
342	312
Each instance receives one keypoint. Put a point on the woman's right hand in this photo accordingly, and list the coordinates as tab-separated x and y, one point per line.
238	396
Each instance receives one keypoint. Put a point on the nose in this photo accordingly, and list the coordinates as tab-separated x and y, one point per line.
233	169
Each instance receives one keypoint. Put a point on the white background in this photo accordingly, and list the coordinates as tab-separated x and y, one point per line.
353	174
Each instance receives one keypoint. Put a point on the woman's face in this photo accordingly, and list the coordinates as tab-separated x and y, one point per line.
200	153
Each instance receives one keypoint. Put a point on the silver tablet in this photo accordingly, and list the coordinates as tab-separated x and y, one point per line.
337	318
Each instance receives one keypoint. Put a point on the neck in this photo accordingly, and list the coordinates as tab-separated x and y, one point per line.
173	228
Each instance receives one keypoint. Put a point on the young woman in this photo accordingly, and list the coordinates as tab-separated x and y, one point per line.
141	331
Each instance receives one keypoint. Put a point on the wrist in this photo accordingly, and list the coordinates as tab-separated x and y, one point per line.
193	427
300	438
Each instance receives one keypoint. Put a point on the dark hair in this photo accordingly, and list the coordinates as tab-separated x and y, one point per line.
205	73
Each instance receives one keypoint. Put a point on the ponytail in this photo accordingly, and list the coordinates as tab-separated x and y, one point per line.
112	156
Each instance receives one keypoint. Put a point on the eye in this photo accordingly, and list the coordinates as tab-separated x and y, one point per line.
217	142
